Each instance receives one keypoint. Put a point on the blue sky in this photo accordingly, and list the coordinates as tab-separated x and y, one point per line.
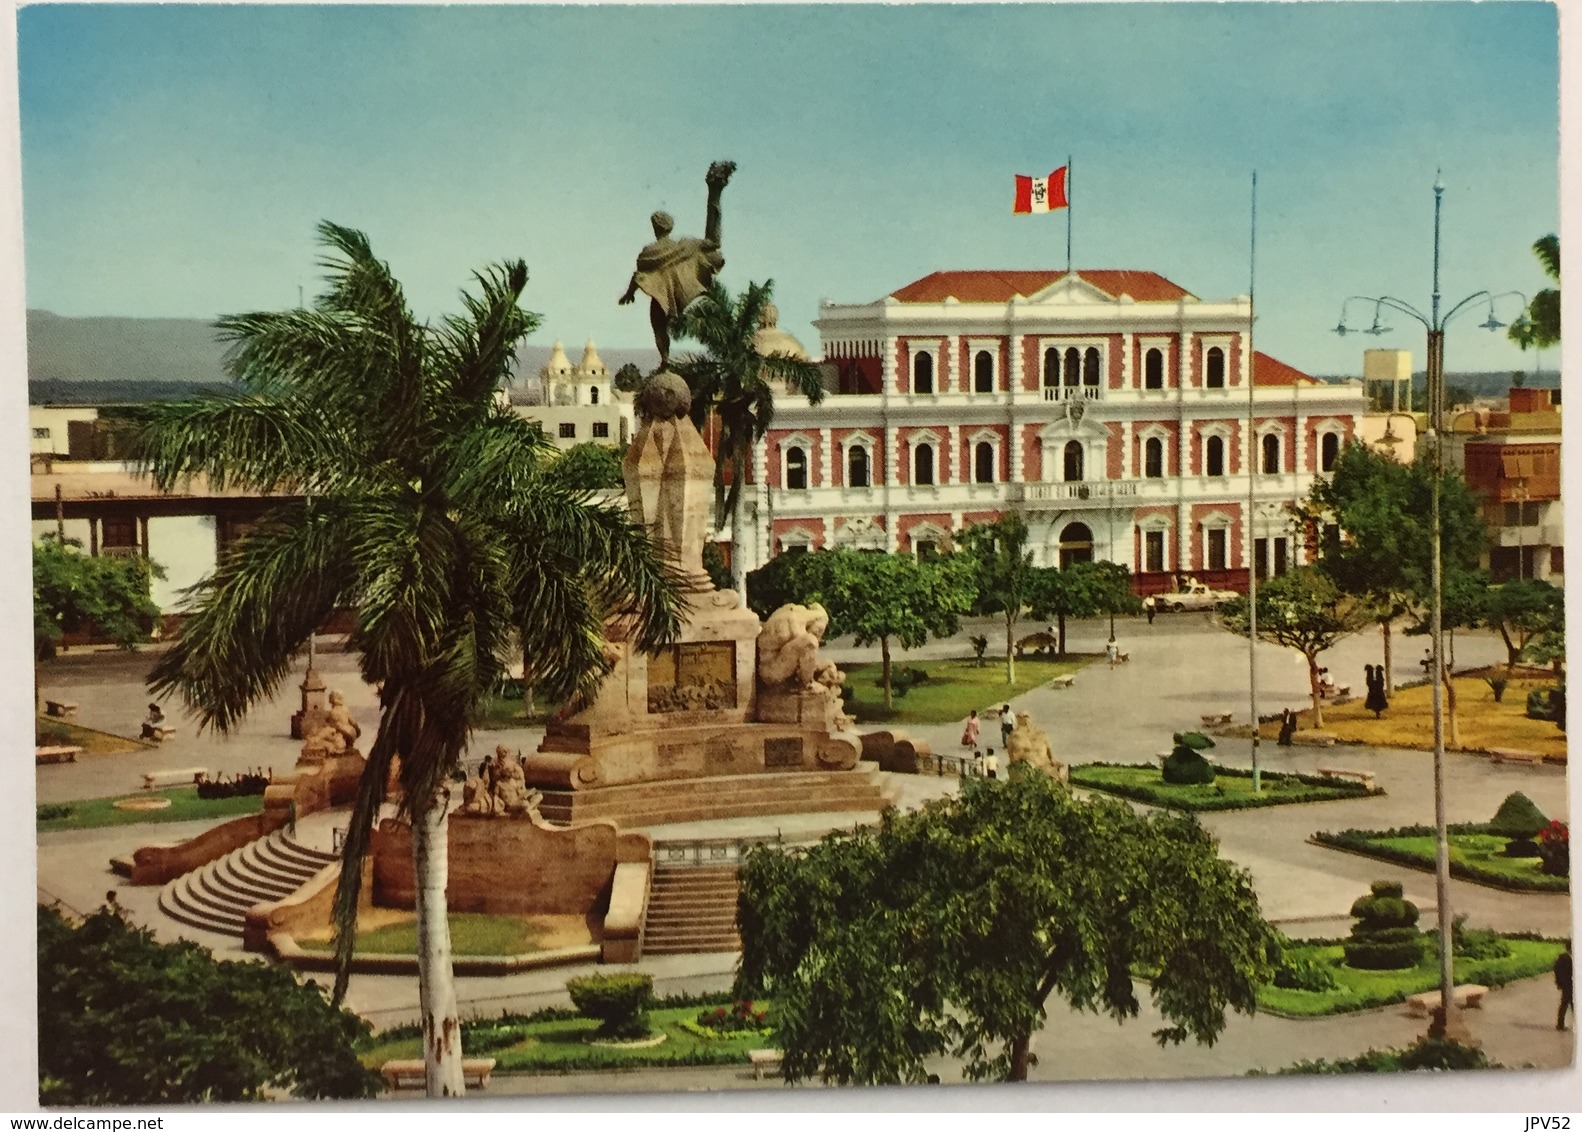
176	159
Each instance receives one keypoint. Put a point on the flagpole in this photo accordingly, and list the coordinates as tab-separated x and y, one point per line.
1068	214
1249	531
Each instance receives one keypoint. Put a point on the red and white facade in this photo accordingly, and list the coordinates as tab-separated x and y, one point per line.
1109	408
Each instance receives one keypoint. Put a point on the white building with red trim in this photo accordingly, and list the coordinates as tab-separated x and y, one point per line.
1110	408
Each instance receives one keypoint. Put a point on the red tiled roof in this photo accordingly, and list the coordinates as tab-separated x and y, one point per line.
1000	286
1272	371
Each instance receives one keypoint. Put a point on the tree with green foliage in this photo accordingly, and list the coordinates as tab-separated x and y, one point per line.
422	505
1082	589
733	379
1541	330
1375	539
587	467
1304	610
126	1020
106	596
946	931
1005	574
1185	765
1520	822
787	578
1524	612
1385	936
884	597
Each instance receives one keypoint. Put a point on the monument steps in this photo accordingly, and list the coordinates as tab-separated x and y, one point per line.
691	909
216	896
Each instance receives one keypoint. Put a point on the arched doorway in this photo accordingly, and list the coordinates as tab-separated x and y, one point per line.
1076	544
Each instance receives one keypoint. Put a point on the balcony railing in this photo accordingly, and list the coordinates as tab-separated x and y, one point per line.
1075	491
1073	392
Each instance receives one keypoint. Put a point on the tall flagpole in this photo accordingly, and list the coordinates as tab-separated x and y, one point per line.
1068	214
1249	532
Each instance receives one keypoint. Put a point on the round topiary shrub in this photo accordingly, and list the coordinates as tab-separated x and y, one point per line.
1385	936
1185	765
1520	821
618	1002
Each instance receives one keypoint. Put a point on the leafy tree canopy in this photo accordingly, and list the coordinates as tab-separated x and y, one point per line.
947	929
125	1020
105	595
1006	575
1083	589
1542	329
587	467
1525	612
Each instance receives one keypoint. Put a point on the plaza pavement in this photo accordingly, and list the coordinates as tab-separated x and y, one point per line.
1180	667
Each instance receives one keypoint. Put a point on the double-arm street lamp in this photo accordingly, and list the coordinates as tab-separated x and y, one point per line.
1449	1021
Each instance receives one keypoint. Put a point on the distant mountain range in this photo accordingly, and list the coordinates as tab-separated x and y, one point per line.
98	361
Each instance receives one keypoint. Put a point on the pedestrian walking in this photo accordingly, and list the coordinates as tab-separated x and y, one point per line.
969	733
1563	982
1148	608
1007	725
1112	652
1377	701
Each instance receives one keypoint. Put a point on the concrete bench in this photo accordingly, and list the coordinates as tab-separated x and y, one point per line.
402	1074
172	777
1063	681
158	732
1469	997
1363	776
764	1060
1217	719
60	709
56	754
1333	691
1512	755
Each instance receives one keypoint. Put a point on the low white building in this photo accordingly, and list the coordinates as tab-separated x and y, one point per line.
579	403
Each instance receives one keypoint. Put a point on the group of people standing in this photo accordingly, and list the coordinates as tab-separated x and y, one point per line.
971	734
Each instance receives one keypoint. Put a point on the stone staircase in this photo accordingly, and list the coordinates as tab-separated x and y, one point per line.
216	896
861	789
691	908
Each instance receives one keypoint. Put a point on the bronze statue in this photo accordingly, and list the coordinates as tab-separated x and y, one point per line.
672	273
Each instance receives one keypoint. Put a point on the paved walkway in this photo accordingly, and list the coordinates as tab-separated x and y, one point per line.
1124	714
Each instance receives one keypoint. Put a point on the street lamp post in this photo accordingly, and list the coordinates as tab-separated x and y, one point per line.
1448	1021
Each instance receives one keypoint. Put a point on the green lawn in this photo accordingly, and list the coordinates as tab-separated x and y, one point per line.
1230	790
1475	855
563	1045
1359	990
471	933
503	713
51	732
953	688
185	805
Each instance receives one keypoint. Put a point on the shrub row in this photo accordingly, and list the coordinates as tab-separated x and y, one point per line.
507	1019
1425	1053
1330	789
1366	842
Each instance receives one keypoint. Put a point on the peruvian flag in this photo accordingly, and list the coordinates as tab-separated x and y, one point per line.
1041	194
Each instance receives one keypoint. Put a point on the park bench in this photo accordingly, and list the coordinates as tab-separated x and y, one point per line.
401	1074
765	1059
1363	776
1065	681
60	709
1512	755
56	754
172	777
1334	691
158	732
1217	719
1467	997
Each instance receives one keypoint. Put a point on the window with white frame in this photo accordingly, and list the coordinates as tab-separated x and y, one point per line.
601	430
593	394
1154	551
1328	451
1154	458
1154	368
1214	368
1216	545
983	372
1072	458
922	372
796	468
923	465
1213	454
983	462
1271	453
859	465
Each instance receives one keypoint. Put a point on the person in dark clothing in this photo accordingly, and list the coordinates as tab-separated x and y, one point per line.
1563	982
1377	701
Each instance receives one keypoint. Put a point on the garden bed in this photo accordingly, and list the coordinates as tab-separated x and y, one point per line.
1474	855
1361	990
49	732
471	934
557	1040
953	688
1231	789
184	805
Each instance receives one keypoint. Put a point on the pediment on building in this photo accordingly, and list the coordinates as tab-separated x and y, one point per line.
1071	290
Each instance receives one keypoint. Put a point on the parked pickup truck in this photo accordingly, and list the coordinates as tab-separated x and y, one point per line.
1193	597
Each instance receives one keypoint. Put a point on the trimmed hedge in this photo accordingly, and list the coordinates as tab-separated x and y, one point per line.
1365	842
1323	789
547	1014
619	1003
1425	1053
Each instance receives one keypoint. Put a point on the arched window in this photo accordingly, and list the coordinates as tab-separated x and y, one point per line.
796	469
923	460
1154	458
1072	461
1051	368
593	394
1154	369
1214	456
857	466
1271	455
983	462
1328	451
1073	366
1216	368
1090	366
1076	544
983	372
923	373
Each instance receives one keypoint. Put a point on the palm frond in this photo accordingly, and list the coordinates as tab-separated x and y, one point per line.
256	443
481	348
1547	249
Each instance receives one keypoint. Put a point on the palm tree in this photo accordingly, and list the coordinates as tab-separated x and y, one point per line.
419	503
732	379
1541	329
